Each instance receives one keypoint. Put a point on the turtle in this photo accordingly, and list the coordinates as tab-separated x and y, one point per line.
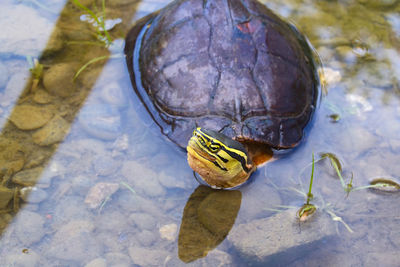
217	75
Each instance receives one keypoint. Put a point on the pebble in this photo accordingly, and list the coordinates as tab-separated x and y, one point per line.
104	165
29	227
33	194
168	231
28	177
118	259
147	256
42	97
144	180
53	132
99	193
28	259
331	76
98	262
146	238
143	221
28	117
74	241
113	94
58	79
172	181
6	194
10	155
100	121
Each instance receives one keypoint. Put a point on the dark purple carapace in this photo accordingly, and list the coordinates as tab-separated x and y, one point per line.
231	66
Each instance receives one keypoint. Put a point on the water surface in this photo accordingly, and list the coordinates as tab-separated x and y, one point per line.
87	178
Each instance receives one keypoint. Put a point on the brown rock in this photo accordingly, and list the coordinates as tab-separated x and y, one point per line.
28	117
53	132
58	79
6	195
98	193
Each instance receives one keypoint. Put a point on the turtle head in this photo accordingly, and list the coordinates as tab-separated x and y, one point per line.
219	160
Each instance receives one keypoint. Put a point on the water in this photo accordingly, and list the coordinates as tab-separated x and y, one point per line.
87	178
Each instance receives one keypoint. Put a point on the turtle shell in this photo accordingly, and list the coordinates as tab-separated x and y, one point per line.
231	66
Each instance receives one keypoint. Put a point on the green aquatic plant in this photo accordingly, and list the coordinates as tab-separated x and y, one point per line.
128	187
98	21
36	70
381	184
308	209
94	60
335	162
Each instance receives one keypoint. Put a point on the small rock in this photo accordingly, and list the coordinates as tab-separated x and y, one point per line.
105	165
99	193
99	262
58	79
53	132
29	227
74	241
113	94
27	259
121	143
28	177
118	259
331	76
11	155
143	221
169	231
382	258
100	121
33	194
172	181
6	195
42	97
146	238
28	117
280	239
144	180
147	256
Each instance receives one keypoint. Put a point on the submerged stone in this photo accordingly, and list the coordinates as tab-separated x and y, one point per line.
53	132
28	177
99	193
6	195
58	79
29	117
29	227
280	239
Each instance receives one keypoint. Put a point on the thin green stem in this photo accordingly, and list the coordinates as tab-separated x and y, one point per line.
309	195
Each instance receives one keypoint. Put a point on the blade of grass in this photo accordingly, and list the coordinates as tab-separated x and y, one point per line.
94	60
128	187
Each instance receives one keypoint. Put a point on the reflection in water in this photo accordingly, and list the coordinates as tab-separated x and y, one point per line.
207	219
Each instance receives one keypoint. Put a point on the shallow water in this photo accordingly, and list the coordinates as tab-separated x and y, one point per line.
87	178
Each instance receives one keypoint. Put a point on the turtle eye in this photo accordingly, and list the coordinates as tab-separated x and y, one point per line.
214	147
